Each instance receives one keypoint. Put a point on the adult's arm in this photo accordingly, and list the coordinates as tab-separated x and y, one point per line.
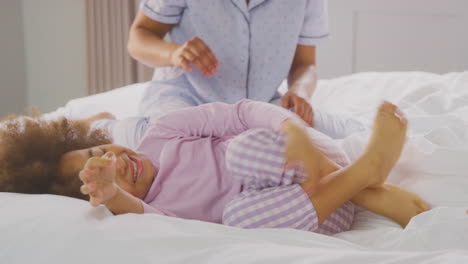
302	77
146	44
302	80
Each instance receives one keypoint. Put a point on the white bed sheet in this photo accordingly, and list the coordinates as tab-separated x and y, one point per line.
51	229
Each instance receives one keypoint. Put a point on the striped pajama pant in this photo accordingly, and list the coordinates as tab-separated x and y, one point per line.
272	197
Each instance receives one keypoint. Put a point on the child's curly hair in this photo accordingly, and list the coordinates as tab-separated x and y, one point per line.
31	147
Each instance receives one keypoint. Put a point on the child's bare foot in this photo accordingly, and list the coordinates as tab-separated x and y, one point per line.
393	202
386	143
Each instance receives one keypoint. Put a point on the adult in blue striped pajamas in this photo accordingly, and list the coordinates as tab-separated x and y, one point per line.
228	50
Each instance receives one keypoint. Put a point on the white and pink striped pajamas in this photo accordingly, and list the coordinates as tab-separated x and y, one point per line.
272	197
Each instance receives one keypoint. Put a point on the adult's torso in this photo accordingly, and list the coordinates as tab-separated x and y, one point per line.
254	44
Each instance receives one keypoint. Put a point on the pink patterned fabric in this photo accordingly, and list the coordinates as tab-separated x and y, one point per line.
272	197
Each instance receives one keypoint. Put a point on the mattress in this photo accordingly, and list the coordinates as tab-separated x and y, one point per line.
434	163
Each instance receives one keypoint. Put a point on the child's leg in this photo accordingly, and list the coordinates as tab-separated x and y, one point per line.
276	207
393	202
126	132
271	199
370	170
164	96
336	126
257	159
390	201
339	221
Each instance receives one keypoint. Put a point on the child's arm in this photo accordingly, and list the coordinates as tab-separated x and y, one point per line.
124	203
221	119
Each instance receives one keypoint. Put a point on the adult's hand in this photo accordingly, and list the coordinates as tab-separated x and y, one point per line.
195	52
301	107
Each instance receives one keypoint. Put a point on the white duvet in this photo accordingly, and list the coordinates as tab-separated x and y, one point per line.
51	229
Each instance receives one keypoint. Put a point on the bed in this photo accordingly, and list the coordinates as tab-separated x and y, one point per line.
53	229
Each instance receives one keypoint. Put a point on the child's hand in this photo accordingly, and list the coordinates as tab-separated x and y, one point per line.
98	176
195	52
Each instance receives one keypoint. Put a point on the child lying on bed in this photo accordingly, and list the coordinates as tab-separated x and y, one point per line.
248	165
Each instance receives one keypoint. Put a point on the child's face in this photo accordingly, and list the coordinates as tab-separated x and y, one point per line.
134	173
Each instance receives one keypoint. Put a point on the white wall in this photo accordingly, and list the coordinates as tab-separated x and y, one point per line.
397	35
367	35
12	67
55	42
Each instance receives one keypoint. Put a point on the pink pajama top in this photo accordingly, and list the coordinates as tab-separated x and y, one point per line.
187	148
